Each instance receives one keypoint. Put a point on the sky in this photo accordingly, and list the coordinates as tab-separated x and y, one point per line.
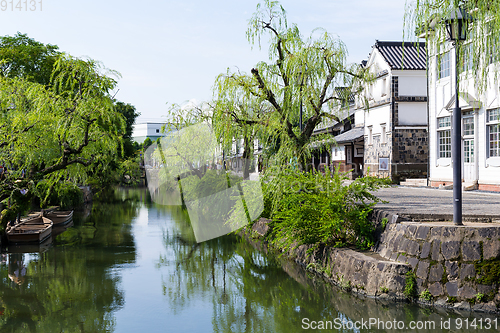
172	51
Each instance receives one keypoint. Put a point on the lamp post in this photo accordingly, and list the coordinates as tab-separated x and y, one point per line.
456	27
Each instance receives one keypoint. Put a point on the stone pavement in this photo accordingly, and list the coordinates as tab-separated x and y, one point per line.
429	204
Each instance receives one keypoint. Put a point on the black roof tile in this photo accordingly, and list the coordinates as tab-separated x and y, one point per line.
408	56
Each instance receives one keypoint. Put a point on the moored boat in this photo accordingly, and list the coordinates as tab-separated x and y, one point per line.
59	217
33	230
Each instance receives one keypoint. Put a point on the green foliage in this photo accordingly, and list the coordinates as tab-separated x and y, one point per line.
384	223
147	142
303	75
130	171
483	35
480	297
312	208
410	290
23	57
426	295
384	290
488	271
451	299
129	113
58	122
64	194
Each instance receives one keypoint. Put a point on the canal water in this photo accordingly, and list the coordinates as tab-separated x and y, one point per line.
135	267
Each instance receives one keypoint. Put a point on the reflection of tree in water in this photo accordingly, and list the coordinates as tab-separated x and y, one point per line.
249	290
71	287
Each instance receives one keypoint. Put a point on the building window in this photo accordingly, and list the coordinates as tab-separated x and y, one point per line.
157	130
443	65
469	151
467	60
384	87
468	124
370	135
444	137
493	128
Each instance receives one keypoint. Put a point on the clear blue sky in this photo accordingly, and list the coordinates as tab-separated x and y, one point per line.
171	51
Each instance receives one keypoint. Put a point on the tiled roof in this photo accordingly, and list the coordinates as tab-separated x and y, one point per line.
351	135
410	56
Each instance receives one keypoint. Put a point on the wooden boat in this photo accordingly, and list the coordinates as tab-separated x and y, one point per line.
59	217
33	230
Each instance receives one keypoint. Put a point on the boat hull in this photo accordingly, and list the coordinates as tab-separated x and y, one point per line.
30	231
60	218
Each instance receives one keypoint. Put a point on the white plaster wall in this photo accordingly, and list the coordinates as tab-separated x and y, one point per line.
140	130
440	93
411	83
152	127
412	113
376	116
359	117
340	153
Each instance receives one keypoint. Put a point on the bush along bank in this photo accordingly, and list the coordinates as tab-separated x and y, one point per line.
322	222
412	262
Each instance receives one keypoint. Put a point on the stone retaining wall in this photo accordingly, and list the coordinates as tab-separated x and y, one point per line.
362	272
452	262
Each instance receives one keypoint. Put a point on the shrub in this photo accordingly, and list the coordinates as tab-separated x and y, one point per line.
480	297
410	290
426	295
316	208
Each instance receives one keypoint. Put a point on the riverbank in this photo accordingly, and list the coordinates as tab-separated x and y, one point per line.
438	264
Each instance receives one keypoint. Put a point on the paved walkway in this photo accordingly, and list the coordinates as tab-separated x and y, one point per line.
435	204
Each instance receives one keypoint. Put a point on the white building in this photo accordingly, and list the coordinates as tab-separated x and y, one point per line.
147	130
480	124
389	138
395	124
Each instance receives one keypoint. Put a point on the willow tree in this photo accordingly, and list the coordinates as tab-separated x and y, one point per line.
57	134
302	74
426	19
238	115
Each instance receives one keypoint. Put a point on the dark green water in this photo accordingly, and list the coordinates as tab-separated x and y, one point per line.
134	267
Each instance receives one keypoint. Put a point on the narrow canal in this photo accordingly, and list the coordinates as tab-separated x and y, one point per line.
135	267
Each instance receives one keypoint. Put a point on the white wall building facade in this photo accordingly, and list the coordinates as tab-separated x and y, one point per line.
480	124
395	123
147	130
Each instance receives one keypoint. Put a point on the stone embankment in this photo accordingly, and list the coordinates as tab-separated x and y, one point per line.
457	267
453	263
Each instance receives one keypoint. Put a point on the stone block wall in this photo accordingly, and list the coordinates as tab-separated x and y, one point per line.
410	153
451	262
373	152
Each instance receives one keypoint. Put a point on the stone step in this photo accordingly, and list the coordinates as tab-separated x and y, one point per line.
469	186
414	182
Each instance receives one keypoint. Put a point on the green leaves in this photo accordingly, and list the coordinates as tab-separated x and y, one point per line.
68	129
312	208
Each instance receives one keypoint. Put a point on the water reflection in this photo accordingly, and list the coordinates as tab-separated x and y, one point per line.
137	267
67	286
251	289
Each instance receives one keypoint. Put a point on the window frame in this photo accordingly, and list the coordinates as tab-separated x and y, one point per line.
440	63
444	142
493	122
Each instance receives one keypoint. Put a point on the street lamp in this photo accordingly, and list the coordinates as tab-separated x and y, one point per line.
456	27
